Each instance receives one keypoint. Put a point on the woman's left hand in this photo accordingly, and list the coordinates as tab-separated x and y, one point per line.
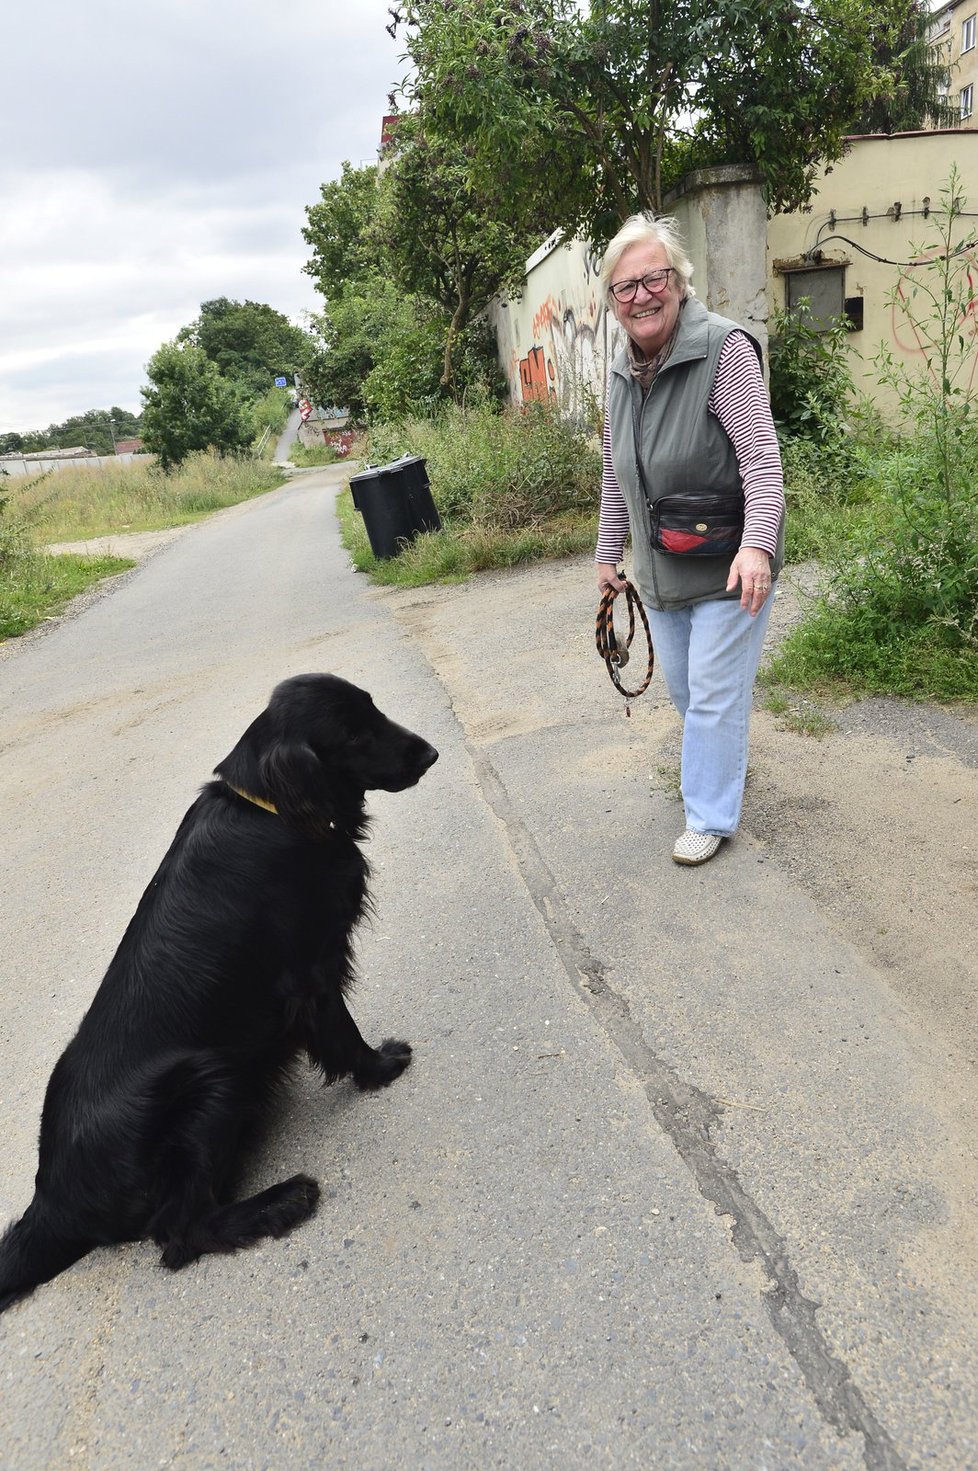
752	569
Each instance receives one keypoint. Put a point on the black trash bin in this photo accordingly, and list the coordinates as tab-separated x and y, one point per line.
395	503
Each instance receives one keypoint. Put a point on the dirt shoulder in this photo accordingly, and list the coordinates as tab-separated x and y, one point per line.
875	820
135	544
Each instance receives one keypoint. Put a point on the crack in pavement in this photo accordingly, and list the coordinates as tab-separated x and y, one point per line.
686	1114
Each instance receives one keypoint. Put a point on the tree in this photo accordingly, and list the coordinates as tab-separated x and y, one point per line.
374	335
96	428
595	113
339	230
188	406
448	241
918	74
250	343
406	260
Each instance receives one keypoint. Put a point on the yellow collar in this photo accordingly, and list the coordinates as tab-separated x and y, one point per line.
258	801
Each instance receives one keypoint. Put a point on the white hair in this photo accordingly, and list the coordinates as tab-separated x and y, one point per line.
645	229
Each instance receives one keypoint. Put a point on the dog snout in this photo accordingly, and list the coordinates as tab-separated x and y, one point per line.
427	757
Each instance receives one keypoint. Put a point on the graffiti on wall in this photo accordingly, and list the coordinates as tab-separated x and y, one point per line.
536	377
564	362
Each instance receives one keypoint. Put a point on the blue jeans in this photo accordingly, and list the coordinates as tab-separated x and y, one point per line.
709	654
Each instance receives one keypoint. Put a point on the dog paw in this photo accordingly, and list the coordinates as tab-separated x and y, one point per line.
294	1201
180	1253
387	1063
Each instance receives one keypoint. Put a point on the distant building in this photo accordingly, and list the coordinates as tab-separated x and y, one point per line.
76	452
953	32
129	446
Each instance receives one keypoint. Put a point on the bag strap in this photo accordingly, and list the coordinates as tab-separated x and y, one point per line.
637	407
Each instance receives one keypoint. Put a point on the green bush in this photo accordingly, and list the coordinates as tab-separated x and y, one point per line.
827	496
498	471
811	384
270	411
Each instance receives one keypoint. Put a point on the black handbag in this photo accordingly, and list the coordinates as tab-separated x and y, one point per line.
698	524
694	523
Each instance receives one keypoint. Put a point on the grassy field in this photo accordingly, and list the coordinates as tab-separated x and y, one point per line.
42	586
77	504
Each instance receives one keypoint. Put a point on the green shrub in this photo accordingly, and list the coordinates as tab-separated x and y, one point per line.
34	586
497	471
271	412
811	383
827	497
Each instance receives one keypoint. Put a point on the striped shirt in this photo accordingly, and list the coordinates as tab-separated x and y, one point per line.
740	402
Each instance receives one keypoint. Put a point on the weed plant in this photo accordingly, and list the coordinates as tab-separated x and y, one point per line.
453	554
34	586
898	612
307	456
78	503
509	472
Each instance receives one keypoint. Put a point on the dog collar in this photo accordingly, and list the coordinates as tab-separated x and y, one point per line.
258	801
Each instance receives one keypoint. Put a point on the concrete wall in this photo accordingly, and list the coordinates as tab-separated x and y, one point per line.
557	341
722	215
15	465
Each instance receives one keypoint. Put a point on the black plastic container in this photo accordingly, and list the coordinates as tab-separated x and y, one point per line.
395	503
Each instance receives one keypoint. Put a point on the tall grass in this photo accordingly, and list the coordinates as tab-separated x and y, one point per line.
451	555
511	487
76	503
506	471
898	609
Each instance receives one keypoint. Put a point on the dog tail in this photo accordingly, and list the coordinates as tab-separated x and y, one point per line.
31	1252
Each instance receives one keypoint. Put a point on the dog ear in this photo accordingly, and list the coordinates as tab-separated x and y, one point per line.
298	784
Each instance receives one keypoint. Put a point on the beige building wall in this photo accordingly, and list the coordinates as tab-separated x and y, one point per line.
873	209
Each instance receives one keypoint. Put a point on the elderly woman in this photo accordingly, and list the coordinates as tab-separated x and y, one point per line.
692	470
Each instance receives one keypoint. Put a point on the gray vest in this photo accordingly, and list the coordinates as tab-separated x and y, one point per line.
684	448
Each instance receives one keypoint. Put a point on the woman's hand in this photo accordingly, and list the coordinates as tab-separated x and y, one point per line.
752	569
609	580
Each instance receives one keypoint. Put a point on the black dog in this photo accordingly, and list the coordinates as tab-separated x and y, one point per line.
236	960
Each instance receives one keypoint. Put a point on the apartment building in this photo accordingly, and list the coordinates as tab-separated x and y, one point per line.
955	31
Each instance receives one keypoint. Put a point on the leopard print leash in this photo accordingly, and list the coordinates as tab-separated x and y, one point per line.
614	655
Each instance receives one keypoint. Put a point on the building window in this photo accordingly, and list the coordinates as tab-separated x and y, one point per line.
967	100
968	34
818	295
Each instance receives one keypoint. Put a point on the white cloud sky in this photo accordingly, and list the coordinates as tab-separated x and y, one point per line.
155	156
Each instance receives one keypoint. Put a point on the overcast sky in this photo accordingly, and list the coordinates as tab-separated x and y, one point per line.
156	155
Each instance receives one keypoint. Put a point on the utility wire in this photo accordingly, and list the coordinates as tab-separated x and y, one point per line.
884	261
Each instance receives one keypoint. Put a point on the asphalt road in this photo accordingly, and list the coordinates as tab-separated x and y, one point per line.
674	1180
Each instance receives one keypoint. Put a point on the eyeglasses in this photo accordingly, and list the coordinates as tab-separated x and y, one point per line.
655	283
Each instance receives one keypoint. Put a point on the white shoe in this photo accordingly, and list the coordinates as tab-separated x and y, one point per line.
695	847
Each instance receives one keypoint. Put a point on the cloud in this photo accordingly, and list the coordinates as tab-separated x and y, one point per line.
161	155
